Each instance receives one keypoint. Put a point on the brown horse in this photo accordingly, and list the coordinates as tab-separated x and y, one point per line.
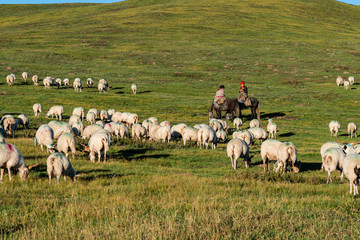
250	102
230	105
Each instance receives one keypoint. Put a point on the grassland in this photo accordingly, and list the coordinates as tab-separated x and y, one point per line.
178	52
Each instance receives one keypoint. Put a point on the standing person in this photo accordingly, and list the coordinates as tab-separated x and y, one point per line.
220	95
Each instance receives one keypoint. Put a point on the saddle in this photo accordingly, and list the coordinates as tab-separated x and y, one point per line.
243	98
221	100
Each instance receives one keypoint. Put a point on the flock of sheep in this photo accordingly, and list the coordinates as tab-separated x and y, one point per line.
340	81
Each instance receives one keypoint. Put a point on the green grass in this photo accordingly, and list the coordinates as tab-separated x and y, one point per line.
178	52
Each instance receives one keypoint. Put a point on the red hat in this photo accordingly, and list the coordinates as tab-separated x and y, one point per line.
242	83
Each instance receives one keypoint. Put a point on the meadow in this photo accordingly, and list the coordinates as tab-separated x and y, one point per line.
178	52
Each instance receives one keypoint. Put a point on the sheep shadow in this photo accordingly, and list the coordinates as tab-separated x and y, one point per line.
115	88
310	166
289	134
130	154
120	92
2	84
142	92
103	176
272	115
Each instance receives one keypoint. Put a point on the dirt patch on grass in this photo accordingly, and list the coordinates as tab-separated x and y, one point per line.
3	93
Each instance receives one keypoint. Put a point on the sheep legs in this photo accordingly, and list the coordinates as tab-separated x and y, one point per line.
2	175
329	178
9	172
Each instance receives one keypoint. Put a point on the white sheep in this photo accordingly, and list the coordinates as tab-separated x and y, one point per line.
101	88
138	131
110	127
351	80
134	88
287	153
66	82
255	123
98	142
244	135
238	122
24	76
146	123
37	108
57	111
153	119
152	130
58	164
334	127
351	169
10	157
101	123
269	151
10	124
35	80
237	148
165	123
47	82
346	84
272	129
121	130
132	118
215	124
339	81
111	112
73	119
77	85
58	82
91	117
104	115
221	135
79	111
66	141
177	129
105	82
224	124
116	117
45	136
328	145
206	136
89	130
258	133
59	128
333	159
95	111
10	80
190	134
201	125
90	82
23	120
163	133
352	129
78	128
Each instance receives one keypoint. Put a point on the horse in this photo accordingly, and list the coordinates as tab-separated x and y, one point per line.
230	105
251	102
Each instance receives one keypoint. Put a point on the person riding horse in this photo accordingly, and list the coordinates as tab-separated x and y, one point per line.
243	95
220	95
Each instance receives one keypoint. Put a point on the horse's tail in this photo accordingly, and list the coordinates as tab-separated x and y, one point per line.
258	111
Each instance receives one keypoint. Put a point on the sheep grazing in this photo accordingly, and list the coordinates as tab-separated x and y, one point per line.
238	122
104	115
101	123
237	148
269	151
351	169
328	145
23	120
111	112
333	159
153	119
58	164
176	130
244	135
165	123
206	136
66	141
138	131
58	82
258	133
37	108
351	80
272	129
45	136
66	82
134	88
255	123
152	130
190	134
79	111
105	82
132	118
57	111
98	142
60	128
287	153
95	111
352	129
90	82
346	84
10	157
116	117
122	130
73	119
334	127
90	118
101	88
224	124
77	85
10	124
215	124
202	125
24	76
221	135
47	82
35	80
10	79
78	128
339	81
89	130
163	133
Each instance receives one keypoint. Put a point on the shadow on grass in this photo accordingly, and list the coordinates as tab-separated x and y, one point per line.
131	154
115	88
120	92
143	92
289	134
272	115
310	166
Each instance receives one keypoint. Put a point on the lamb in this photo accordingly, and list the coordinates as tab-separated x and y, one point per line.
77	85
66	82
58	164
176	130
73	119
152	130
272	129
258	133
45	136
351	80
122	130
255	123
153	119
339	81
134	88
58	82
66	141
244	135
24	75
10	80
238	122
206	136
89	130
35	80
11	157
98	142
57	111
23	120
90	117
105	82
334	127
90	82
78	128
37	108
352	129
138	131
104	116
47	82
190	134
101	88
287	153
333	159
237	148
59	128
163	133
79	111
95	111
221	135
351	169
346	84
132	118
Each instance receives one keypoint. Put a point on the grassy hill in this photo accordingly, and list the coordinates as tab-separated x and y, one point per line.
178	52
